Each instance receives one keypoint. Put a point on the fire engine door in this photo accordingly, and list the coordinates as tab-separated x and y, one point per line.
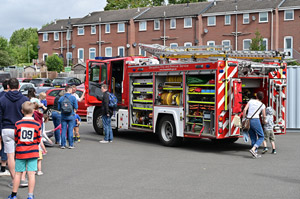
277	96
97	77
235	105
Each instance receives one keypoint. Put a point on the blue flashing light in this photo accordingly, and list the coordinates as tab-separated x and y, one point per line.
133	70
207	66
284	72
221	71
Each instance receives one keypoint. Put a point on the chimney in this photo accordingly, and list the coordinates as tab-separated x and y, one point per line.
188	3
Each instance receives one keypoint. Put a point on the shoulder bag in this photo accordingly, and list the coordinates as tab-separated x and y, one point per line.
246	122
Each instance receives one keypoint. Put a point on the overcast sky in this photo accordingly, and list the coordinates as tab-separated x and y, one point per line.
17	14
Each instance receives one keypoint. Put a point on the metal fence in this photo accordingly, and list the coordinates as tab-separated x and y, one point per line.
293	97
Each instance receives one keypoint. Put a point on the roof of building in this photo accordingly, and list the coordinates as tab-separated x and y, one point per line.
242	5
58	25
291	3
177	10
111	16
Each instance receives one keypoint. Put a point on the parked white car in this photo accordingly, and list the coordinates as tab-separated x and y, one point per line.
24	87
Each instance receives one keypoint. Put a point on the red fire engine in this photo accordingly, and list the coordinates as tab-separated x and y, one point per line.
187	92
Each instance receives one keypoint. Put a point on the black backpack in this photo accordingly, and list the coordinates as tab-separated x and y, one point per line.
66	106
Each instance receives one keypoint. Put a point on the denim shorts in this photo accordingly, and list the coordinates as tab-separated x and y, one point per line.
22	163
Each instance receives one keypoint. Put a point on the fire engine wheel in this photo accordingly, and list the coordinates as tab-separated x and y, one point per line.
167	131
97	122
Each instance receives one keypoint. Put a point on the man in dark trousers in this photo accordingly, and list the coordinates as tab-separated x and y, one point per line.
3	171
10	113
106	116
67	104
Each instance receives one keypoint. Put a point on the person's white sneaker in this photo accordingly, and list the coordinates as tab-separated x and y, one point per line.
5	173
39	173
103	141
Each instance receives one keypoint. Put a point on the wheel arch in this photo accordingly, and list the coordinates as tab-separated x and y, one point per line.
176	113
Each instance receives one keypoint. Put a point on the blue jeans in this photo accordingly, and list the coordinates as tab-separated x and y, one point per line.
107	128
56	117
67	126
255	132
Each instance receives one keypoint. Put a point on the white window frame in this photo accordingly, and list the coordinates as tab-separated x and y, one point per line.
174	20
285	12
226	48
267	43
140	26
229	19
90	51
186	20
81	59
119	25
260	16
106	54
288	49
187	44
173	44
245	17
93	30
213	42
121	47
56	36
45	36
158	22
45	54
68	35
80	28
244	43
211	17
141	51
69	53
107	26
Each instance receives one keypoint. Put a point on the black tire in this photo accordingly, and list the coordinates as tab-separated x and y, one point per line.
167	132
97	122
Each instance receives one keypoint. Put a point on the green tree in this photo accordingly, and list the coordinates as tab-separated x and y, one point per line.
257	42
23	43
5	59
124	4
54	63
184	1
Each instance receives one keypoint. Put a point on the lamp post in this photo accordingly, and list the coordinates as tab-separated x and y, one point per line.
28	52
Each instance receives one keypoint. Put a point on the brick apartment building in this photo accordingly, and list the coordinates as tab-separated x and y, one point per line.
118	32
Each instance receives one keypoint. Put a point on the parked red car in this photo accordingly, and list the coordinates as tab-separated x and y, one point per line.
52	93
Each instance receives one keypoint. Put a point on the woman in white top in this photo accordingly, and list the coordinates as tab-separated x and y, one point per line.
256	132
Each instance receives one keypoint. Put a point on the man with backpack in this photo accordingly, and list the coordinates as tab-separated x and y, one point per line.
108	102
67	104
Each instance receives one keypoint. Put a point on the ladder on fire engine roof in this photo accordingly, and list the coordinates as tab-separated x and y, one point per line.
196	52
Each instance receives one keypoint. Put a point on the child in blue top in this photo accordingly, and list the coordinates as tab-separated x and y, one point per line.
43	102
76	135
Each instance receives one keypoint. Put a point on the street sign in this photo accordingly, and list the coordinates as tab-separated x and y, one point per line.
68	69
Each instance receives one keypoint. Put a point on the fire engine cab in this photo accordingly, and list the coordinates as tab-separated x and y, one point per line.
187	92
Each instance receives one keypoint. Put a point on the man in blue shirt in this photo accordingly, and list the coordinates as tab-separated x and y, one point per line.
67	104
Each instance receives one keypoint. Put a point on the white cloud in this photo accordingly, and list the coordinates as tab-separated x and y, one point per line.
17	14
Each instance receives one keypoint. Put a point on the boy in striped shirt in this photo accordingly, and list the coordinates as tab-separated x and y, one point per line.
27	138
